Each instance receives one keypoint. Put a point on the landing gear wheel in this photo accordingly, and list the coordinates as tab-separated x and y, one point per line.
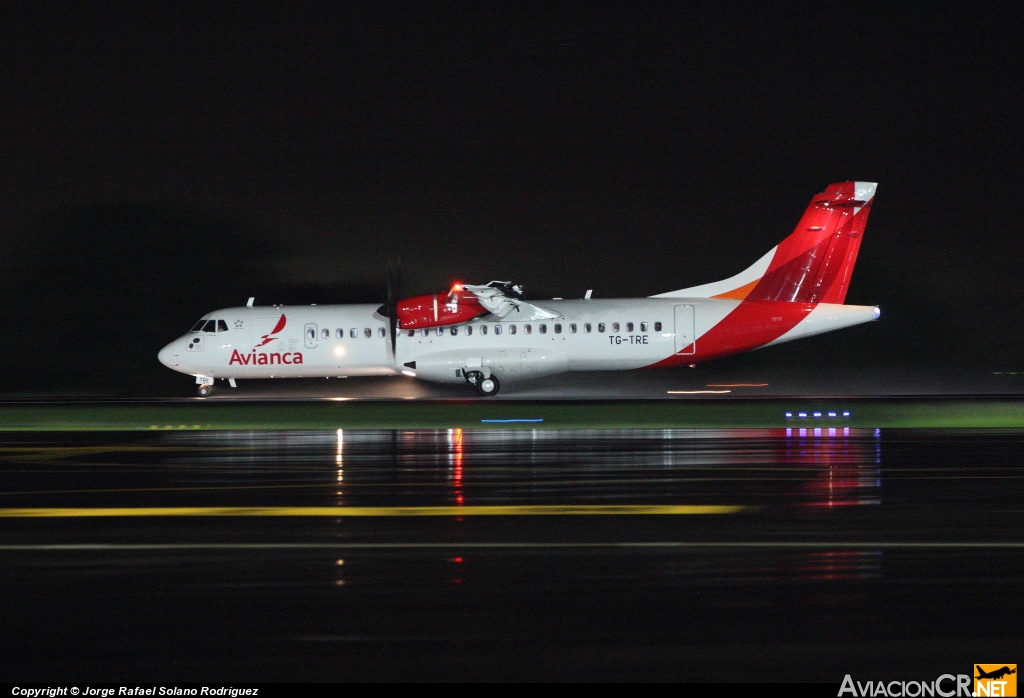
488	387
474	377
205	390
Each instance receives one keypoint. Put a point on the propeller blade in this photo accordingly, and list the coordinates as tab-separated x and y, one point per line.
394	293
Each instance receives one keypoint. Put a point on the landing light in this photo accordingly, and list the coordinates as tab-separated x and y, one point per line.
408	373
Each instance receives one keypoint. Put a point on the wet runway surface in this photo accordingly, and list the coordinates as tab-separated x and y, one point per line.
698	555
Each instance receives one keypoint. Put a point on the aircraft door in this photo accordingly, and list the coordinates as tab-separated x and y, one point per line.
310	335
685	334
527	362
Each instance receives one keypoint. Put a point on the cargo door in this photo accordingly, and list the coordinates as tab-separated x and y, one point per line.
685	335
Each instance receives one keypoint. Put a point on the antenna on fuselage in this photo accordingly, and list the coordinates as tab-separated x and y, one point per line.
589	293
252	299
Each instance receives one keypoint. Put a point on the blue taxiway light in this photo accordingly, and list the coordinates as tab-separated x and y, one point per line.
506	421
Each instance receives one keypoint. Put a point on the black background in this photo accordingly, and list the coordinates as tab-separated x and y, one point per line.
160	161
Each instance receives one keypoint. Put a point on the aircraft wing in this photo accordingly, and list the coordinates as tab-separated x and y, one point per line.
503	299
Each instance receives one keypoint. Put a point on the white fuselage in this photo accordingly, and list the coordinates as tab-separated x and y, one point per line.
587	335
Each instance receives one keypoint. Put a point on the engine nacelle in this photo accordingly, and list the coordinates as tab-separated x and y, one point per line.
438	309
450	366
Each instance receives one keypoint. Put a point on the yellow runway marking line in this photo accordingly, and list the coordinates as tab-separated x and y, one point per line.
512	510
697	392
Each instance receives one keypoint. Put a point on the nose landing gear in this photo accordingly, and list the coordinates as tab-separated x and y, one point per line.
204	385
486	386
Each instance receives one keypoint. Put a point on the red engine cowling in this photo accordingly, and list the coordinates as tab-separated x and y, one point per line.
438	309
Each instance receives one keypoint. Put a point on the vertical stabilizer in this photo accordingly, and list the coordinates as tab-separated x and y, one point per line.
814	264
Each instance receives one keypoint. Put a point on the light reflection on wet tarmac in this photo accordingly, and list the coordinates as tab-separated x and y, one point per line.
449	467
827	570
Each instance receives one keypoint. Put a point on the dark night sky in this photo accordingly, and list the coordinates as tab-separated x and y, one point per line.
159	162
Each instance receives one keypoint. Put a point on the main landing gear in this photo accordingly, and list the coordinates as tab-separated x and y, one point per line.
487	386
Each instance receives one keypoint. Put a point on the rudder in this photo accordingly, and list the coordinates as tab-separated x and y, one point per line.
814	264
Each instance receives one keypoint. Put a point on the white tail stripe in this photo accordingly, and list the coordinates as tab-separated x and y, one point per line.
747	276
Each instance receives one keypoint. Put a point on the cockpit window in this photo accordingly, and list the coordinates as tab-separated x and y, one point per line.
210	326
198	326
222	326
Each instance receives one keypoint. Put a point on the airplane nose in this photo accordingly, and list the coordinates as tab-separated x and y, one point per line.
168	356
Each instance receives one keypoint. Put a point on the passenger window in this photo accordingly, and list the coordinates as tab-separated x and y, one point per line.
643	326
367	332
339	333
210	326
483	329
558	329
512	329
600	327
352	333
572	327
381	332
454	330
657	327
311	334
424	332
325	333
440	332
222	326
615	327
629	327
469	329
586	326
528	329
412	333
497	329
543	329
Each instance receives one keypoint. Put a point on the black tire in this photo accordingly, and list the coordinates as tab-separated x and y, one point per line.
205	390
488	387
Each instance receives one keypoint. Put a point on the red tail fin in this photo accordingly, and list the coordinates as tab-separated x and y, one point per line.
814	264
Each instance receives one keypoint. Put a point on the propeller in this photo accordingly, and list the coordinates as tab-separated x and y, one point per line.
394	294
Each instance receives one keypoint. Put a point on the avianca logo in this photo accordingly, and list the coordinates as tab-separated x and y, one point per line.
261	359
267	338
